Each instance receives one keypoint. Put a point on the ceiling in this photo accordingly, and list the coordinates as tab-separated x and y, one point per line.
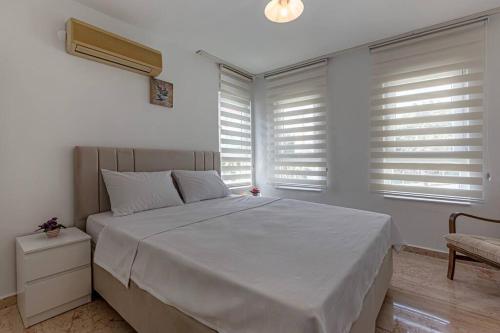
238	32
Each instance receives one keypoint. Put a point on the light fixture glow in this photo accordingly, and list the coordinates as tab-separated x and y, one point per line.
282	11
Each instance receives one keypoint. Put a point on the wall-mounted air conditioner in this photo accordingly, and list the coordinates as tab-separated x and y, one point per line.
90	42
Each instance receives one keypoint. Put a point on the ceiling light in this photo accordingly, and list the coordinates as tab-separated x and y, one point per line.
282	11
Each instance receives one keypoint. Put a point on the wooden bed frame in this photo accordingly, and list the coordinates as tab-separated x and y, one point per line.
140	309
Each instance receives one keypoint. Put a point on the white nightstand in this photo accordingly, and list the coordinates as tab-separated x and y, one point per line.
53	274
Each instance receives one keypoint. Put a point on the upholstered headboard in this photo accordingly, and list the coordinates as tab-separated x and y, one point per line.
91	196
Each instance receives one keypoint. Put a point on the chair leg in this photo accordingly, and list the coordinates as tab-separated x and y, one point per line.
451	264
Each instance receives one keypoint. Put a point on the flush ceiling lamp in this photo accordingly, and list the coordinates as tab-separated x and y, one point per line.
282	11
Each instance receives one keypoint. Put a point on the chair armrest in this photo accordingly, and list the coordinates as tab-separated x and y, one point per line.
454	216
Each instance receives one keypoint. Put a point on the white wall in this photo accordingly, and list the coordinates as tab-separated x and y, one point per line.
51	101
421	224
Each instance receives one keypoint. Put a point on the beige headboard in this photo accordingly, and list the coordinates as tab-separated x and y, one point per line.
91	196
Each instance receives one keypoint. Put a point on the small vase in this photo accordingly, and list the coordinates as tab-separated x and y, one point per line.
53	233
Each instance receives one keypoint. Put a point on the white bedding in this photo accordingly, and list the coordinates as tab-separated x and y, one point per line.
97	222
243	264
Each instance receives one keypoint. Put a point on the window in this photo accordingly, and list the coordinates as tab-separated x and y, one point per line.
235	128
297	127
427	116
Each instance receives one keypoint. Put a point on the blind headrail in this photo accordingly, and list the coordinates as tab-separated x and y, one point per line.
236	71
419	34
290	69
220	61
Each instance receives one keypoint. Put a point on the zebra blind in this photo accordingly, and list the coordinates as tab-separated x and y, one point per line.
297	127
235	128
427	116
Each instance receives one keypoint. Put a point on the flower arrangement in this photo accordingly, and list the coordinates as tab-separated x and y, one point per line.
51	227
255	191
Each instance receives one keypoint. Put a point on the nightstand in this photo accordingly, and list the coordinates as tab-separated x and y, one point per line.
53	274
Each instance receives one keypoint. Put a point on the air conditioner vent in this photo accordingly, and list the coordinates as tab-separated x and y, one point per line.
86	41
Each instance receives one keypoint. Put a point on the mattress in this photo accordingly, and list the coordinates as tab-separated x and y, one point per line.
244	264
97	222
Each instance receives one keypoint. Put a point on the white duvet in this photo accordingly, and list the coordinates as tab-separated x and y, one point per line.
244	264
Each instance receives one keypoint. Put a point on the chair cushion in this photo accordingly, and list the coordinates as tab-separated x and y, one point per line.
485	247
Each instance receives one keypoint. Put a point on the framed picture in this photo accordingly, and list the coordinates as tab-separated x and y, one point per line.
161	93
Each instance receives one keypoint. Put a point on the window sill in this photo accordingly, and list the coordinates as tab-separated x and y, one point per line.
241	187
429	200
240	190
297	188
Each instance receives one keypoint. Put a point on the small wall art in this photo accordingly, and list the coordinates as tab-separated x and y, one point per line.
161	93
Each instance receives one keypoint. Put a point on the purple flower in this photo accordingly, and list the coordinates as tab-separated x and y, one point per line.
50	225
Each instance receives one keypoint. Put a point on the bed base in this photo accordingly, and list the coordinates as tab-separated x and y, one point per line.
146	314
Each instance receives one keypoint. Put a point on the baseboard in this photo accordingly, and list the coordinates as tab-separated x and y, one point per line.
425	251
440	255
7	301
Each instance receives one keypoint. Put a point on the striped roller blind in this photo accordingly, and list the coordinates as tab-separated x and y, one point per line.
427	116
297	127
235	128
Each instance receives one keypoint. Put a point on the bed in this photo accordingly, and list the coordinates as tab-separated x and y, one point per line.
234	264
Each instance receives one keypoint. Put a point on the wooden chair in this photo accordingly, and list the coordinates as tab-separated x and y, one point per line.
475	248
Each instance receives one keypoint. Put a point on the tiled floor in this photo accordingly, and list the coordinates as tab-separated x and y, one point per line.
95	317
421	299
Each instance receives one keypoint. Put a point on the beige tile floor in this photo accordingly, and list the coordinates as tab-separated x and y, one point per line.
420	299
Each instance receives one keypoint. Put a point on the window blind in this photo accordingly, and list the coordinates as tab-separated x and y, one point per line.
235	128
297	127
427	116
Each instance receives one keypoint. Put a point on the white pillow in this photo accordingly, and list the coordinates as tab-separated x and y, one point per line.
200	185
131	192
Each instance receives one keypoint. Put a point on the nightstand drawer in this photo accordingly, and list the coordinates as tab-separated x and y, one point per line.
49	293
54	260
